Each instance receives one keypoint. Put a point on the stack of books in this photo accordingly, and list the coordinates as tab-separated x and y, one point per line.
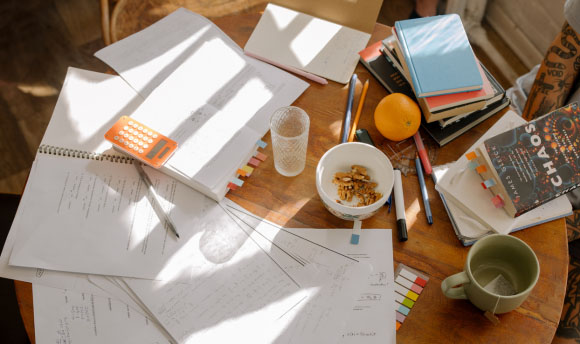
431	61
535	171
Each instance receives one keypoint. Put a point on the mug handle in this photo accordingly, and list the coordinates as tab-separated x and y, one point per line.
447	286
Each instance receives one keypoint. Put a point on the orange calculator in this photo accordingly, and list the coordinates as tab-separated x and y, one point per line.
141	142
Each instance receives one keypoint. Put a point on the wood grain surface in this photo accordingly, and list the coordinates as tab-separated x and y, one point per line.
433	249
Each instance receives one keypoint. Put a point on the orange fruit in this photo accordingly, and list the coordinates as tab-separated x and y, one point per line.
397	117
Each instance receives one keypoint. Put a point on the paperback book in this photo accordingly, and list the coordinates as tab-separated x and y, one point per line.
532	164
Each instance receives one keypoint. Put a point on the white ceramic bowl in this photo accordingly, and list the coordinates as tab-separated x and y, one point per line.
340	159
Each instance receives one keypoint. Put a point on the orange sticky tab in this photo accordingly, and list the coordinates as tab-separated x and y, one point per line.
261	156
398	326
480	169
242	172
470	155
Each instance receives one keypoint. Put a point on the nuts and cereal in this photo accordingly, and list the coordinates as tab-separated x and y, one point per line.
357	183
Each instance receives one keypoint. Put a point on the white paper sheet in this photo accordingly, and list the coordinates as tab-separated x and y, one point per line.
308	43
87	106
92	217
463	187
202	92
66	316
371	318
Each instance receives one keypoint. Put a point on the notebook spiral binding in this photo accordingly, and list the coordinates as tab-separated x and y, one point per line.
75	153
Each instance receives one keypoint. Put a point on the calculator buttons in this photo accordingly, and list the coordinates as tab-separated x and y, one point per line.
130	123
121	140
140	135
135	125
140	151
154	136
126	143
145	146
126	127
140	128
131	145
126	135
116	138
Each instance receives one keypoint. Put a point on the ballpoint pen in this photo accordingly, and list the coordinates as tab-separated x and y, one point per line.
348	112
423	189
152	197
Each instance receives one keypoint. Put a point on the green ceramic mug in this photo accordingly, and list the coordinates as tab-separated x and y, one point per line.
500	272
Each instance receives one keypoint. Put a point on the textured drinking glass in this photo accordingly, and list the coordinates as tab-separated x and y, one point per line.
289	128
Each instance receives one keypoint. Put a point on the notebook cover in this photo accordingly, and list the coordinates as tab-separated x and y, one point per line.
538	161
445	101
438	41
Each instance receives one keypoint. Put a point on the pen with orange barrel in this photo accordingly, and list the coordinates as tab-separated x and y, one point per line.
422	153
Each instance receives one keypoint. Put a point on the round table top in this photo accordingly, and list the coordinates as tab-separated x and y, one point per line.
432	249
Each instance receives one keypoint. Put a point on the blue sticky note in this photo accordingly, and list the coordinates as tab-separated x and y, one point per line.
354	239
403	310
261	144
238	182
472	164
489	183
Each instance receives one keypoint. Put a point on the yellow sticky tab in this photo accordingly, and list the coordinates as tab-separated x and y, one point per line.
481	169
248	169
470	155
412	295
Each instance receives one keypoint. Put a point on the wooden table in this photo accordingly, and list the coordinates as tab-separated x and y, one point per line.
434	249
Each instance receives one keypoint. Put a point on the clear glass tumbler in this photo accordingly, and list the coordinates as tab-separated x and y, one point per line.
289	129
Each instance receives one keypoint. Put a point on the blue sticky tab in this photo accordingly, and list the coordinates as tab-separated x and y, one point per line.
238	182
472	165
403	310
261	144
489	183
354	239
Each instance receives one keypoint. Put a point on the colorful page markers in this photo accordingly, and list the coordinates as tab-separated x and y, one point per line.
409	284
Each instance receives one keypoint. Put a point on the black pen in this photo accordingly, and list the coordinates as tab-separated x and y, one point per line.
400	206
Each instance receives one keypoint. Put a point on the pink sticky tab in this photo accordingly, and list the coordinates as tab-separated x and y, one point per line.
497	202
255	162
232	186
261	156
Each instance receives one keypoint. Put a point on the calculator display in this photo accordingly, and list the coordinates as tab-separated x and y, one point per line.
156	149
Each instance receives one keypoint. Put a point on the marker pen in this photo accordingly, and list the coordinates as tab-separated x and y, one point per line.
400	206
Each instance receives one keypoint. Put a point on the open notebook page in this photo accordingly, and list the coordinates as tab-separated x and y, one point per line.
88	104
92	216
463	186
308	43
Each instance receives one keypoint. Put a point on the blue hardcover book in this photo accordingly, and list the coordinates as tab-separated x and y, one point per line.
438	55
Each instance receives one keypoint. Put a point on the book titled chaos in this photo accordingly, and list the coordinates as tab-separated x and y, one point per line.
538	161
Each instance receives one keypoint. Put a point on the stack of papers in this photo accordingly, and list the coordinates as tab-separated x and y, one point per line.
104	268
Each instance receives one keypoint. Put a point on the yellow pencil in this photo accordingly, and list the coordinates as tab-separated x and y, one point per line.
358	110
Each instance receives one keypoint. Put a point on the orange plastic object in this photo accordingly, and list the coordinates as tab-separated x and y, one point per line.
141	142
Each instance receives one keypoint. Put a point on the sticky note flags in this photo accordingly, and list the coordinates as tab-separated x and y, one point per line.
409	284
261	144
470	155
260	156
481	169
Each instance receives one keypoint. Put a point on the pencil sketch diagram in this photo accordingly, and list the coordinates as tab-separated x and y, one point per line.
378	279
